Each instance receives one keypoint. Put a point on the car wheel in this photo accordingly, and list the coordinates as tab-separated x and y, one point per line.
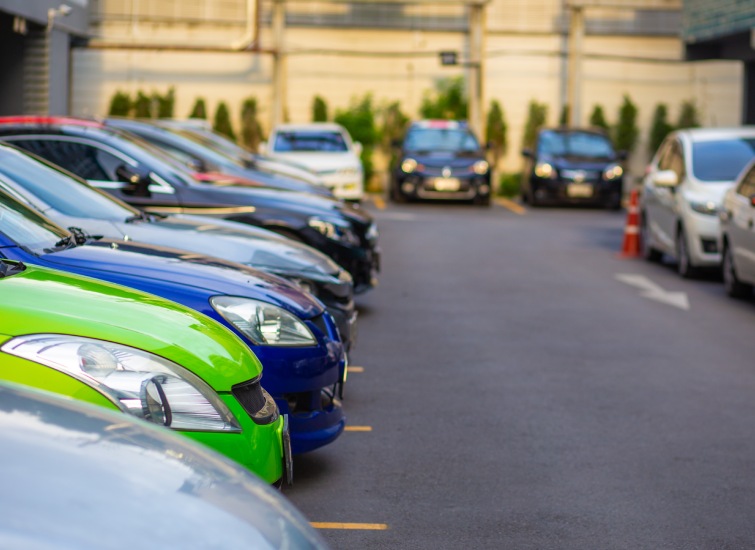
482	200
683	263
733	286
531	199
614	202
396	195
648	252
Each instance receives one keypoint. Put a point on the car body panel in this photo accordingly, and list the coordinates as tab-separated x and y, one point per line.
738	224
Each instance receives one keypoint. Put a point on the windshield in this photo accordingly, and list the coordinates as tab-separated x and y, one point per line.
721	160
317	141
575	144
27	228
60	191
441	139
214	141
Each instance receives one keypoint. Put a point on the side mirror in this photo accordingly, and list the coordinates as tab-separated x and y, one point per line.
665	178
622	155
136	181
358	148
528	153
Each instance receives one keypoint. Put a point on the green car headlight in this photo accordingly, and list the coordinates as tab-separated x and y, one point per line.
140	383
264	324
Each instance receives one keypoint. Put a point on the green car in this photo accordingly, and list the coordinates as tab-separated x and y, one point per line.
134	352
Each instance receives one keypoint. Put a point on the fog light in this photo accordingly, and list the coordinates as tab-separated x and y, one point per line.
710	246
407	187
484	189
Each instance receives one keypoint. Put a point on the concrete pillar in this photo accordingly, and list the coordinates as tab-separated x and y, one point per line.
280	76
476	75
576	33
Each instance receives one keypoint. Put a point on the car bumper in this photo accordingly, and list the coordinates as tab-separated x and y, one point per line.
362	261
570	192
703	239
415	186
347	188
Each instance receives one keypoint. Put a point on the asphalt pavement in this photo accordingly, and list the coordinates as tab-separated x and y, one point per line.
517	384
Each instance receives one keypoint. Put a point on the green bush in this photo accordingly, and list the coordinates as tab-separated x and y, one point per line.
199	110
626	131
659	128
509	184
689	117
495	132
319	109
536	115
165	103
142	105
598	119
222	122
120	104
563	120
251	129
359	120
447	101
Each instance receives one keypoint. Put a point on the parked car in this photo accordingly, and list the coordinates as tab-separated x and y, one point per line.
288	330
325	148
78	476
69	201
573	166
202	132
738	235
143	176
440	159
200	158
134	352
683	191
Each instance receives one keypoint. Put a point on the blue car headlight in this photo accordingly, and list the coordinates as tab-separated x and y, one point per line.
140	383
334	231
264	324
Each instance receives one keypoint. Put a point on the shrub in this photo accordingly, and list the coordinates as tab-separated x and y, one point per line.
165	103
659	128
359	120
222	122
563	120
447	101
142	105
626	131
199	110
598	119
536	115
251	129
509	184
688	115
319	109
495	131
120	104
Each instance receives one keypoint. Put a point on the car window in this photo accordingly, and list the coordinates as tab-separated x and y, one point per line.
57	189
316	141
747	187
441	139
84	160
676	160
578	144
28	228
721	160
664	155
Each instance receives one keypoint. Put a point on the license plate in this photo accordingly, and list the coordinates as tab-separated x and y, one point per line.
579	190
446	184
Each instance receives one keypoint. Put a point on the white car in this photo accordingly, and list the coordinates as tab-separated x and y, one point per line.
326	149
738	235
683	192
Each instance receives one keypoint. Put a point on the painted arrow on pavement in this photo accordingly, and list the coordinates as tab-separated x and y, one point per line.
652	291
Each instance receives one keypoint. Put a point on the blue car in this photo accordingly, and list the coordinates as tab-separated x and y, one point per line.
288	330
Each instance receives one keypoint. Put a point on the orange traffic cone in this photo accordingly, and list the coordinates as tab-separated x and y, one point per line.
631	246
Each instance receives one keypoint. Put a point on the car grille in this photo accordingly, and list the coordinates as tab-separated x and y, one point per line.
250	395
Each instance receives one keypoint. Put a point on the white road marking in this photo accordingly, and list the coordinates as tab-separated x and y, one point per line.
652	291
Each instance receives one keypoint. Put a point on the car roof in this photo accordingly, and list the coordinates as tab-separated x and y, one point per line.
312	126
32	120
714	134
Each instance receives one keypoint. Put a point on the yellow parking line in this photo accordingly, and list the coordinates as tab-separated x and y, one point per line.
361	526
378	201
358	428
356	369
515	207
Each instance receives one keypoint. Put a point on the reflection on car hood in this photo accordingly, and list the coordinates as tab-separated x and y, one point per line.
578	163
75	476
170	268
445	158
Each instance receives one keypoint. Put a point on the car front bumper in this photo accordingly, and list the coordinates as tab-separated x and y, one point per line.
420	186
572	192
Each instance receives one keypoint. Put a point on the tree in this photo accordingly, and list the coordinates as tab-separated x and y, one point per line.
165	103
142	105
393	127
251	129
319	109
120	104
564	118
199	110
659	127
447	101
688	115
222	122
359	120
626	131
598	119
536	115
495	131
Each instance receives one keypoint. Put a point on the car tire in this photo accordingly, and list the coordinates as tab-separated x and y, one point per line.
683	262
648	252
482	200
531	199
397	196
733	286
614	202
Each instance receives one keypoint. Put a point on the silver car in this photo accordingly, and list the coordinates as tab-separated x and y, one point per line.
738	235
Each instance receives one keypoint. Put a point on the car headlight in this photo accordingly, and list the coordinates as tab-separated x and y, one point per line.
264	324
140	383
480	167
409	165
613	172
334	231
544	170
708	208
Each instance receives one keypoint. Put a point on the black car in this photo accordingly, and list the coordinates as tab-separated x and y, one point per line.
573	166
440	159
140	174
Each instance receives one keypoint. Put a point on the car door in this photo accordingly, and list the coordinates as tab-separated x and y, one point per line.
741	228
97	163
658	201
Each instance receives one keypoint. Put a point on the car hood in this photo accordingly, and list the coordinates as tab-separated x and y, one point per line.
171	267
321	163
707	192
247	177
42	300
444	158
578	163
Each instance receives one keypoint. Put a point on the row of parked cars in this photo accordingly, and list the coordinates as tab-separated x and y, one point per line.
697	205
140	272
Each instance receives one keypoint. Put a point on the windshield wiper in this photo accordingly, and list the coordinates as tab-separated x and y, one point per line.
8	269
140	217
82	236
